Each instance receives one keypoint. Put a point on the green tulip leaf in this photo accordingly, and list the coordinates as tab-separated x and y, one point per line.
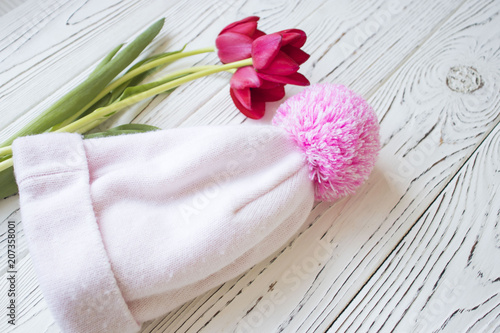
106	60
86	91
123	129
116	94
9	186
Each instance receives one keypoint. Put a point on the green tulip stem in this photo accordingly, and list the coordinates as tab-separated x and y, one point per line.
103	113
169	77
113	64
133	73
6	151
93	119
6	164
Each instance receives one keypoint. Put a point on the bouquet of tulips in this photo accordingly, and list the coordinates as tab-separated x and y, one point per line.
262	65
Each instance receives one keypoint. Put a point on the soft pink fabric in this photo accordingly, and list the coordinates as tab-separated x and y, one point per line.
338	132
124	229
63	237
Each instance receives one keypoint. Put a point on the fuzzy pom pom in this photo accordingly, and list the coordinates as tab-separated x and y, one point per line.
339	134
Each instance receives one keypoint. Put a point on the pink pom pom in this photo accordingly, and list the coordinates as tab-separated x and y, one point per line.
339	134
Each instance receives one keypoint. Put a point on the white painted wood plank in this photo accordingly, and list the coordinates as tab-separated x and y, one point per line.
356	43
9	5
203	311
444	274
57	43
176	32
428	132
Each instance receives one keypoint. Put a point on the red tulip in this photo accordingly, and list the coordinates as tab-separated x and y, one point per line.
277	57
250	93
235	41
276	60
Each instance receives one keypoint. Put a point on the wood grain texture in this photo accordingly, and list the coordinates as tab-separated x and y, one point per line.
57	43
9	5
444	275
344	40
428	132
399	54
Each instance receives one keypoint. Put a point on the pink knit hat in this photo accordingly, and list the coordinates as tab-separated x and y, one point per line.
124	229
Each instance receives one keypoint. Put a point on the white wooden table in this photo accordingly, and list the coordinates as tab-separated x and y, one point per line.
416	250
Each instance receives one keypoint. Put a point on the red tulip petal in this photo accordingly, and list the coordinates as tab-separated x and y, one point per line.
243	96
233	47
295	79
265	49
245	77
268	95
296	54
258	34
234	27
257	110
268	84
281	65
247	28
294	37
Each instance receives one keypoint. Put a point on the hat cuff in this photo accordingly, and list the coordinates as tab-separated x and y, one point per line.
64	240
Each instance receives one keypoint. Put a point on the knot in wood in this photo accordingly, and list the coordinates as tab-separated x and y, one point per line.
464	79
